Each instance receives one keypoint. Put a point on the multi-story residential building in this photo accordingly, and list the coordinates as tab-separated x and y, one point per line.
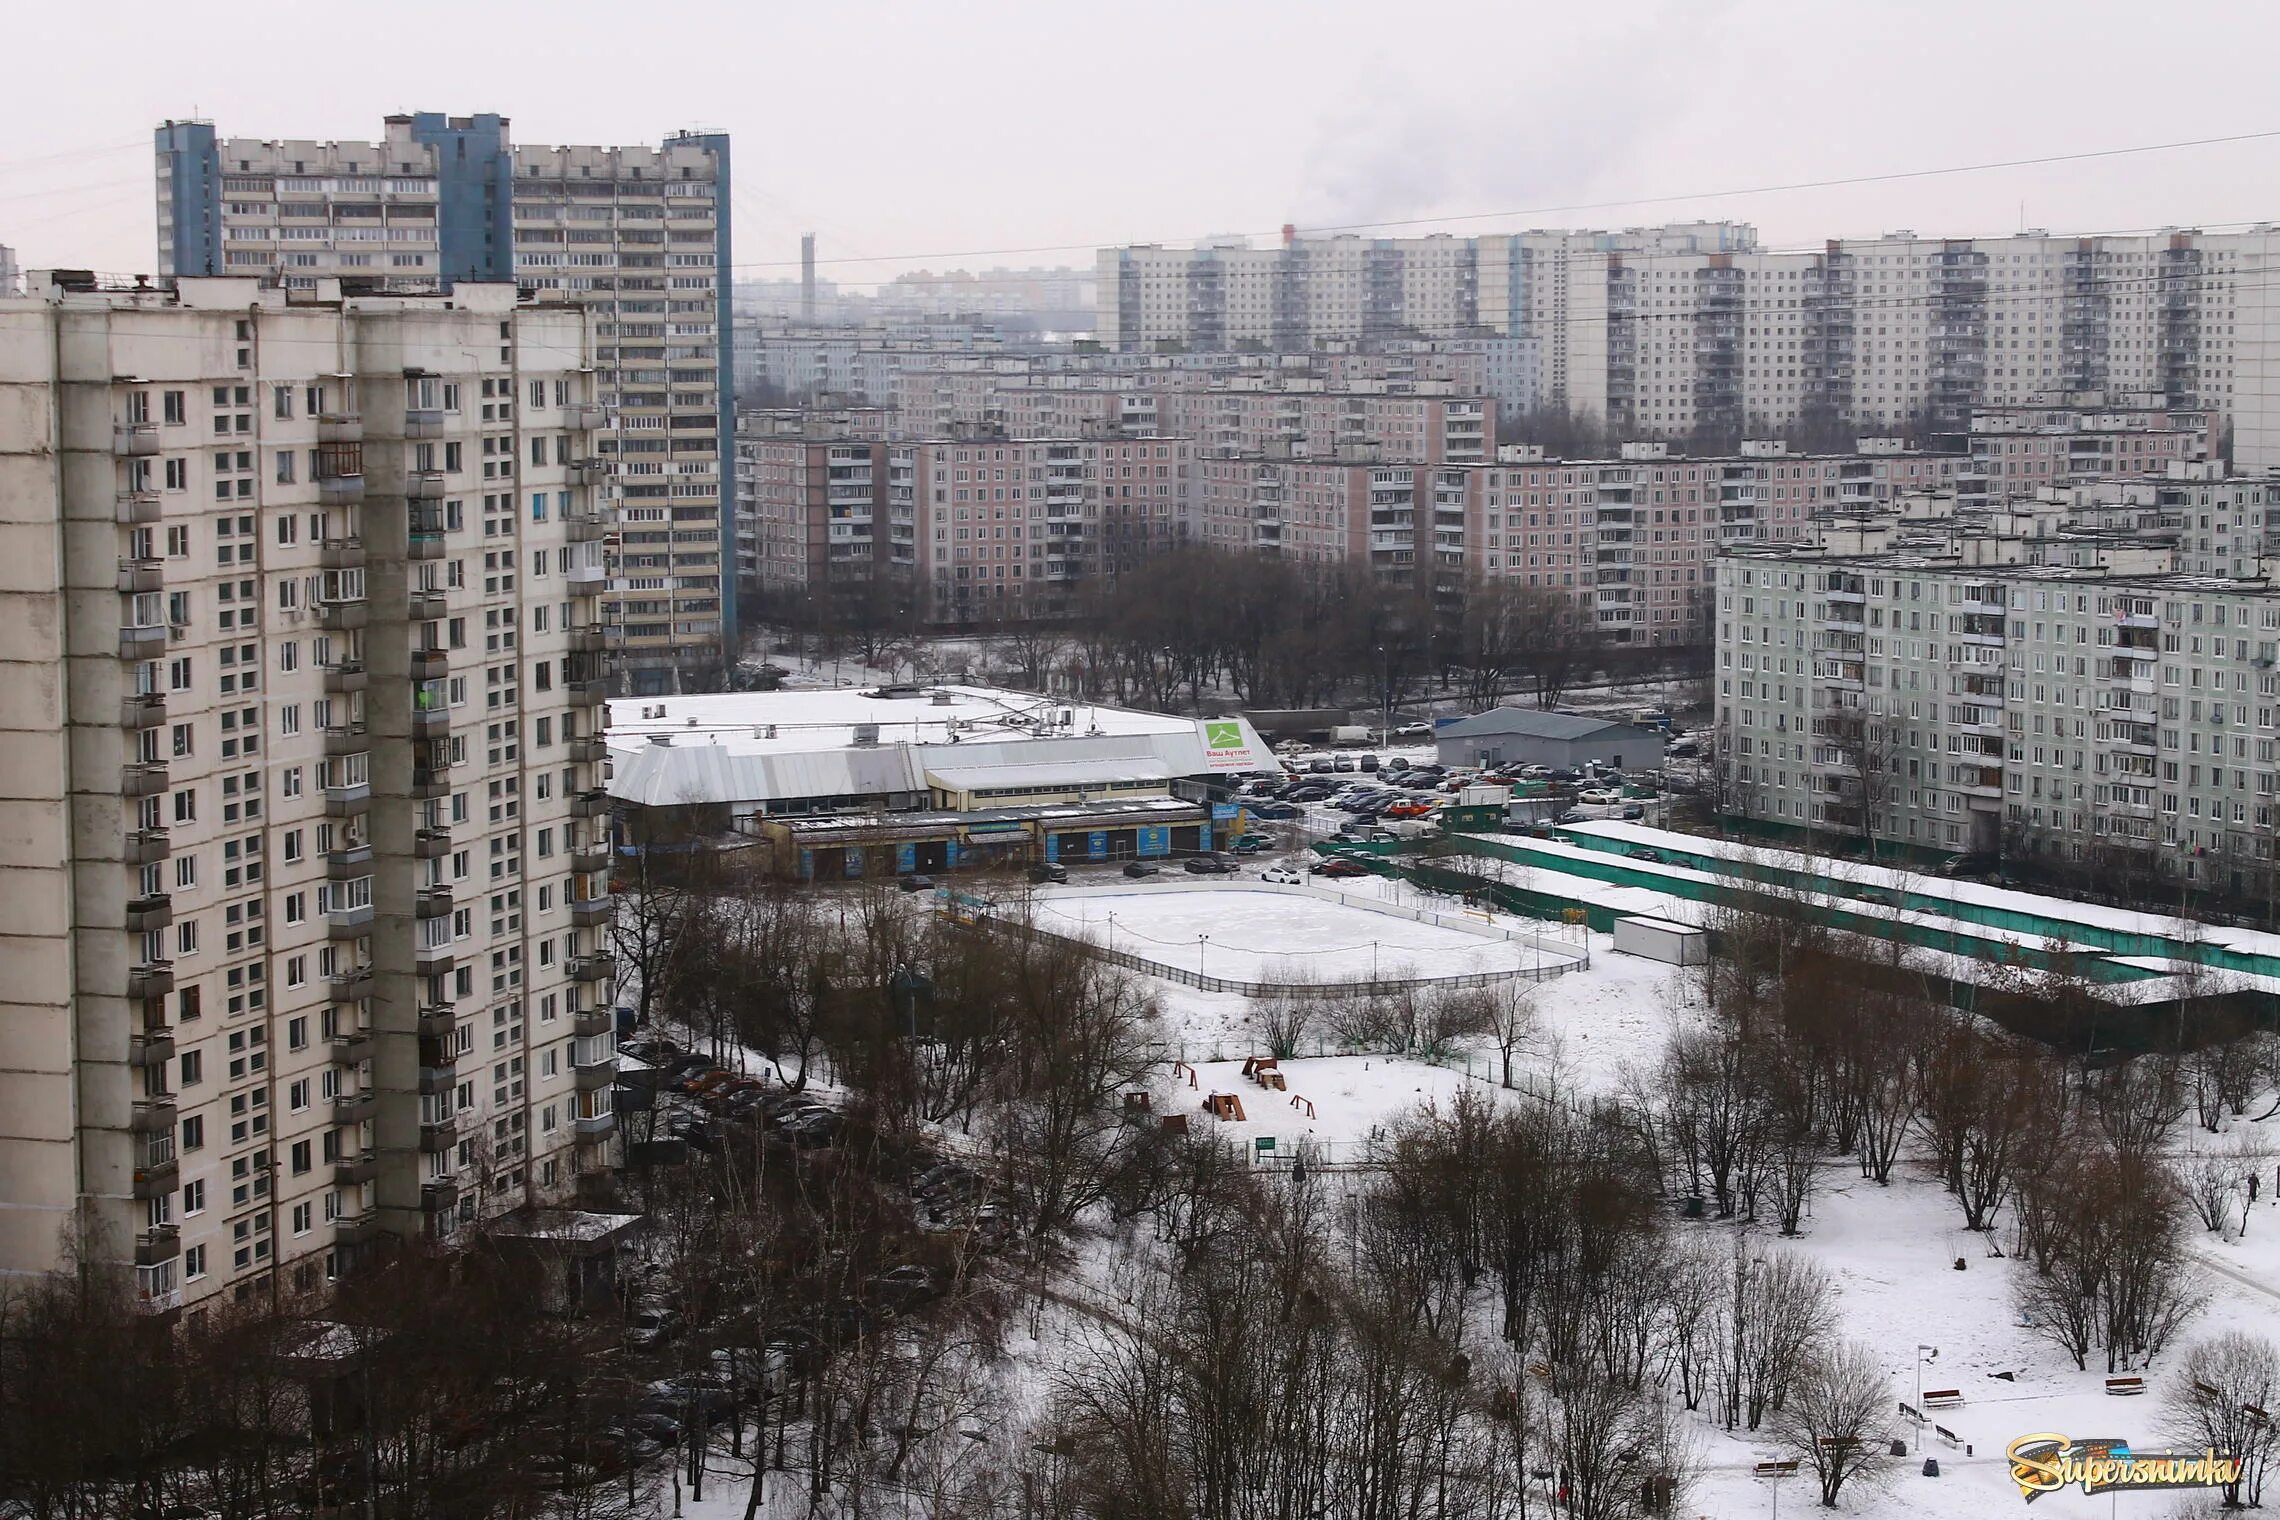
2035	689
640	236
2020	450
307	844
960	531
1692	333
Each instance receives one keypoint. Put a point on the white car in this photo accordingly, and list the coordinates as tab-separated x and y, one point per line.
1599	796
1284	874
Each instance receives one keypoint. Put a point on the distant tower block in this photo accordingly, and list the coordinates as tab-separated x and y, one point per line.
807	276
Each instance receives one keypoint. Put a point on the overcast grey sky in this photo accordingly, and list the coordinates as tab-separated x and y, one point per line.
920	131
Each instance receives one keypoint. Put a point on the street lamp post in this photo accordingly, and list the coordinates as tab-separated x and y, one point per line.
1200	941
1922	1358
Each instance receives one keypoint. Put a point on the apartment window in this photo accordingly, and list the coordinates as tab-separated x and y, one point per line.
194	1133
172	408
193	1066
282	400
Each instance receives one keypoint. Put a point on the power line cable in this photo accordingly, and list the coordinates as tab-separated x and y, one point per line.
1834	182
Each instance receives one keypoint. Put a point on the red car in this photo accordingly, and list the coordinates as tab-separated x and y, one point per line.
1341	868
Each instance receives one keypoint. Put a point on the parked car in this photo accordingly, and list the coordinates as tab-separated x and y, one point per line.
1414	731
917	883
1320	765
1641	852
651	1325
1281	875
1252	844
1274	810
1049	871
1338	865
1368	763
1599	796
1139	868
1209	865
1969	864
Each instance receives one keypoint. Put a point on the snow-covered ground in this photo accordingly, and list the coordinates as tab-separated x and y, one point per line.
1891	1252
1263	935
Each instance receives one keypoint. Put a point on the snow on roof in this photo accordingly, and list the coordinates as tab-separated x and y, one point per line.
745	747
1524	720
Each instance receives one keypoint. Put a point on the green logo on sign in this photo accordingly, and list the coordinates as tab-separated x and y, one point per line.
1223	736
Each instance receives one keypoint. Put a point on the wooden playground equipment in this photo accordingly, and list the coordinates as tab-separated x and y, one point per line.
1224	1106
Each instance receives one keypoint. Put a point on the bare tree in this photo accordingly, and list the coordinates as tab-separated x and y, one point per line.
2221	1397
1832	1419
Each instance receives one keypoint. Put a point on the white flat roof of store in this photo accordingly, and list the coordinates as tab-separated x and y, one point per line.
751	747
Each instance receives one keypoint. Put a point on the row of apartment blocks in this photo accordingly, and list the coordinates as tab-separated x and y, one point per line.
1691	331
638	236
827	504
947	376
2087	677
307	843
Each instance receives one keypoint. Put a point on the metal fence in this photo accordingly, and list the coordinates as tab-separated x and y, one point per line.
1374	987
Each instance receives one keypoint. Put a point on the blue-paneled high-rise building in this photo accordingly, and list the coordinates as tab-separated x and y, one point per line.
639	235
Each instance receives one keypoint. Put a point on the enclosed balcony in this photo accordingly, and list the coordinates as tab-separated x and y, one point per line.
138	440
149	913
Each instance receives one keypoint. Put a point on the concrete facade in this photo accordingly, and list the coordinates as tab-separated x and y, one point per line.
640	236
303	820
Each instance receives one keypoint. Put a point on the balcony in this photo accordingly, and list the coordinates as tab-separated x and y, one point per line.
151	1047
156	1170
590	857
585	580
356	1229
587	1023
594	638
589	470
438	1136
585	416
589	968
349	923
591	692
593	1076
423	422
343	613
356	1170
354	1107
138	440
431	722
350	801
150	979
434	960
147	915
588	911
342	553
438	1194
340	427
439	1077
432	902
424	543
589	751
430	781
142	641
137	714
438	1020
138	508
152	1116
423	604
353	1048
158	1243
345	676
340	490
141	575
147	847
350	986
590	804
347	739
423	485
431	844
430	664
592	1128
585	527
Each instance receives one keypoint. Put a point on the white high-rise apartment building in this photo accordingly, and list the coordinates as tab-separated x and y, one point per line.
306	845
1692	332
640	236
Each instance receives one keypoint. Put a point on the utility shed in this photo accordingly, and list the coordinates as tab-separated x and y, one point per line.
1508	736
1658	939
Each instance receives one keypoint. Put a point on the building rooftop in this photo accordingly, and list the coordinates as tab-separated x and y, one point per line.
1529	721
846	742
